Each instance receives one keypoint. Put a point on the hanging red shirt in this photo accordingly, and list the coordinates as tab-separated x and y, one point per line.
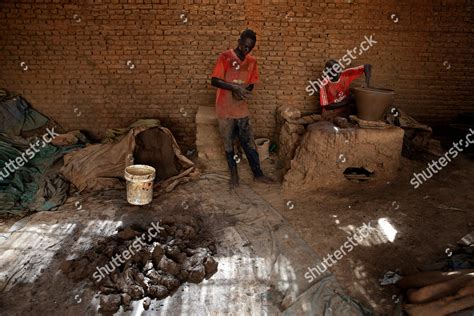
231	69
337	91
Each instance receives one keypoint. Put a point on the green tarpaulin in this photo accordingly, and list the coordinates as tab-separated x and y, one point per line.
36	185
28	178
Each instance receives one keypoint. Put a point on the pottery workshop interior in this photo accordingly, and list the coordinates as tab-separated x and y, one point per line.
236	157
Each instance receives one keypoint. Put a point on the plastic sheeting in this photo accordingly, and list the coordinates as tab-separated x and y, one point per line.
34	186
31	184
262	261
16	116
101	166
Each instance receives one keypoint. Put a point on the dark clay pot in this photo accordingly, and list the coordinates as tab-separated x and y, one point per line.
372	102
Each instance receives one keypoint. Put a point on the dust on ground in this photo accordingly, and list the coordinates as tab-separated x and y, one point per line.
427	221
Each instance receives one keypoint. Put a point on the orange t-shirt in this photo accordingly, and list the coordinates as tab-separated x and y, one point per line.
337	91
231	69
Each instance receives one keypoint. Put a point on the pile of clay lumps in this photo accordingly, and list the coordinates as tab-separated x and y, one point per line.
151	266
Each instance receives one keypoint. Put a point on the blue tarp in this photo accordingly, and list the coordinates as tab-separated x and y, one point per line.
28	177
17	116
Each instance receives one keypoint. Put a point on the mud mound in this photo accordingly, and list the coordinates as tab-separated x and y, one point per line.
145	262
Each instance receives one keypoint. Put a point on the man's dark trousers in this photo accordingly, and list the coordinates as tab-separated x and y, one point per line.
232	128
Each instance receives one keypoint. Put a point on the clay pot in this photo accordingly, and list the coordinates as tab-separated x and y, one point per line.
372	102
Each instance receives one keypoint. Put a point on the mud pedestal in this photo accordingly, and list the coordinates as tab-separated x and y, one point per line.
208	139
327	155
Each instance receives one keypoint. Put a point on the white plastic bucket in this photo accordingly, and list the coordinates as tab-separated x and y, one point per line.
263	145
139	184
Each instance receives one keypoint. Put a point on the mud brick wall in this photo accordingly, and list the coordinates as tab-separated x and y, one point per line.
100	64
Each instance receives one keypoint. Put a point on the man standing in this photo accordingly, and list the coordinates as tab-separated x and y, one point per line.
235	75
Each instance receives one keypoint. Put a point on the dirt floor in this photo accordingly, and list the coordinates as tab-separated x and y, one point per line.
261	259
428	222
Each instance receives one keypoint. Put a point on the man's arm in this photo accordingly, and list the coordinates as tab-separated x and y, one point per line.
239	90
368	73
336	105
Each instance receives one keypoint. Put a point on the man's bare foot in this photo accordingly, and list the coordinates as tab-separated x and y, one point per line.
264	179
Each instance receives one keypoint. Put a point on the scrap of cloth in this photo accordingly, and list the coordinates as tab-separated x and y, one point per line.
102	166
112	135
17	116
34	186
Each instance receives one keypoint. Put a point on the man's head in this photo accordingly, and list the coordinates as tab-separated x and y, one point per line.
330	65
247	41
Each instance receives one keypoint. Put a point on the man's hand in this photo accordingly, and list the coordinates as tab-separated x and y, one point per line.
240	92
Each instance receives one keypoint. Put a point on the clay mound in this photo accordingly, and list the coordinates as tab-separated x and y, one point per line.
136	264
326	154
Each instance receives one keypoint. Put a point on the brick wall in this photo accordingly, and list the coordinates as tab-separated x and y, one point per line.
79	55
